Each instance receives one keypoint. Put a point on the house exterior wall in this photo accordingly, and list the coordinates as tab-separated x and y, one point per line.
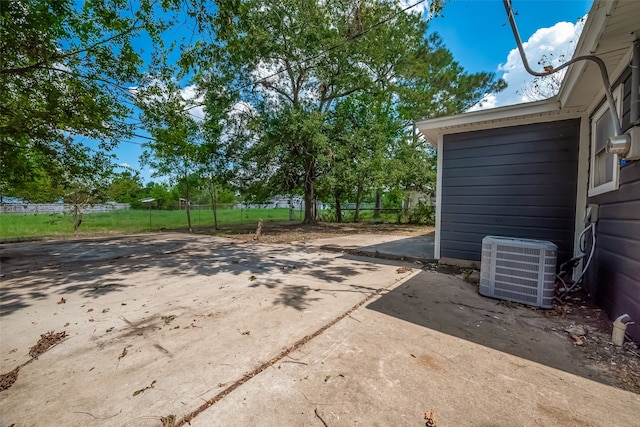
613	278
515	181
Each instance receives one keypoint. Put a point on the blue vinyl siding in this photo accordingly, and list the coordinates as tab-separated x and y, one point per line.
613	279
518	181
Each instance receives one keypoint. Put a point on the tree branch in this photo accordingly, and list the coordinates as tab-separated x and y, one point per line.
282	92
59	58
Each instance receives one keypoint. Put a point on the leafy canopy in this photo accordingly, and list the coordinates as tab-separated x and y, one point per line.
65	73
296	61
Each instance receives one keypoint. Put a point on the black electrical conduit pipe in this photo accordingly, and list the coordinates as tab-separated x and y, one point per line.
603	68
635	82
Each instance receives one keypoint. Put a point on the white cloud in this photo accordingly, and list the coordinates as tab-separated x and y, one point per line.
489	101
192	97
194	101
555	43
125	165
421	9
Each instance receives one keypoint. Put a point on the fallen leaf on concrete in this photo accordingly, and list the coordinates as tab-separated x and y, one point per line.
244	332
576	339
252	278
327	378
106	310
430	416
142	390
123	354
7	380
168	319
62	301
45	342
13	350
560	310
403	270
508	304
66	324
90	310
168	421
91	320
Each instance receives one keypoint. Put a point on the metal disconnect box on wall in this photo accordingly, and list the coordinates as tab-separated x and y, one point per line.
518	270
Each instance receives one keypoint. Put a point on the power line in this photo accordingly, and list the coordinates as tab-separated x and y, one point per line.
325	51
337	45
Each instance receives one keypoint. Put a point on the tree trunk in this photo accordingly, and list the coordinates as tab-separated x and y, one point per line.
308	203
79	212
188	208
215	207
309	197
376	213
213	193
338	207
187	203
356	215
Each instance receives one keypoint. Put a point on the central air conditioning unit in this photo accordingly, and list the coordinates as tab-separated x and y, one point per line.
518	270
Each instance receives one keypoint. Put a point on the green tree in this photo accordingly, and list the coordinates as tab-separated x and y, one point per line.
82	179
65	72
158	191
221	132
362	128
125	187
174	149
293	60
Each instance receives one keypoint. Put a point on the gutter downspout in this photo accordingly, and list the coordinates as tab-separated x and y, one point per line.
603	68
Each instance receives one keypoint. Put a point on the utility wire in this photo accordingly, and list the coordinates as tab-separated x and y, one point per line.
325	51
289	68
337	45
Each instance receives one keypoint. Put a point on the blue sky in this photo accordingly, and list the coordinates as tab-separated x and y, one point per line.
480	39
479	36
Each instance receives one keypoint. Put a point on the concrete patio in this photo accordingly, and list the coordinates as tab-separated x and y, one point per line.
219	333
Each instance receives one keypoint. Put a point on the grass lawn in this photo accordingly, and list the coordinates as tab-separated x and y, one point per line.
130	221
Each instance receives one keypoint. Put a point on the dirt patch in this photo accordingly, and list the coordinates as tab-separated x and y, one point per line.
580	317
285	232
587	326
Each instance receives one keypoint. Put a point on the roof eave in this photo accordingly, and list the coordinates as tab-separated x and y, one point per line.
587	44
432	128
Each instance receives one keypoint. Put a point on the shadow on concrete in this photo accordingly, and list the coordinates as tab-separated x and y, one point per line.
416	248
93	268
453	307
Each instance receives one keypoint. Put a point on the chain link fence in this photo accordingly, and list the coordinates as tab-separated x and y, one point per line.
174	217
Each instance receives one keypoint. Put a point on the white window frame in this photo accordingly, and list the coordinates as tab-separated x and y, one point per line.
614	183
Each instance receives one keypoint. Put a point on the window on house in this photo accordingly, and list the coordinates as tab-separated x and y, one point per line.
604	166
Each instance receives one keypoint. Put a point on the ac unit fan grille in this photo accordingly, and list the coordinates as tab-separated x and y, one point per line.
518	270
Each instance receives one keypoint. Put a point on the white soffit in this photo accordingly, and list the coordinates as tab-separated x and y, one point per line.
512	115
609	33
